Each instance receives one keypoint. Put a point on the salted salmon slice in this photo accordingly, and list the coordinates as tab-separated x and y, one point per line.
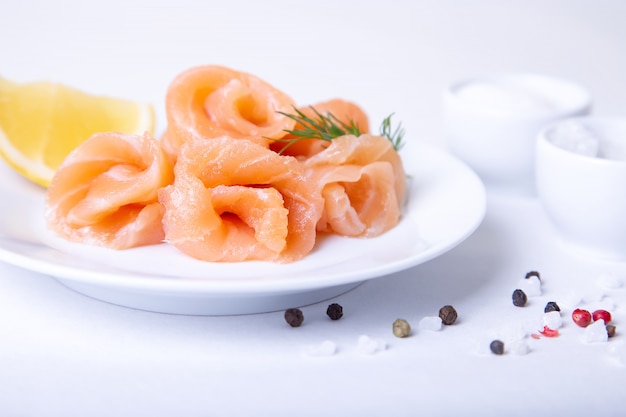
363	184
345	111
212	101
105	192
235	200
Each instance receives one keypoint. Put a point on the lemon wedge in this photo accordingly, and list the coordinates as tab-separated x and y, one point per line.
42	122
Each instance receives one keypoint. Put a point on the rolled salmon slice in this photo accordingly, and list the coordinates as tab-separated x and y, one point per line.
234	200
106	192
363	183
213	101
345	111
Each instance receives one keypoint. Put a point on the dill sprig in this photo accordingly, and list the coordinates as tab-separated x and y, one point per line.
328	127
395	136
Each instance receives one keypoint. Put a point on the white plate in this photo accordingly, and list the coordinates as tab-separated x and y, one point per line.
446	204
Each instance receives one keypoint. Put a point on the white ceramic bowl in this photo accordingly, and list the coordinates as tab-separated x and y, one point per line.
492	122
585	195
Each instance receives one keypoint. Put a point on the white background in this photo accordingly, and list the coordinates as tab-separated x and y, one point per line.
62	354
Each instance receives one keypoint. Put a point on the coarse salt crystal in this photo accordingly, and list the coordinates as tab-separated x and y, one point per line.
504	97
519	347
574	137
552	319
326	348
531	286
367	345
432	323
595	332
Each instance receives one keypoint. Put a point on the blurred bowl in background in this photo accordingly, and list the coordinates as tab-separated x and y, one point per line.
492	123
581	183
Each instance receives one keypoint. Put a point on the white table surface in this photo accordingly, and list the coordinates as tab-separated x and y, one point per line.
63	354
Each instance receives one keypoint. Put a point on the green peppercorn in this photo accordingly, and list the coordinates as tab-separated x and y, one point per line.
401	328
294	317
448	315
551	306
334	311
519	298
497	347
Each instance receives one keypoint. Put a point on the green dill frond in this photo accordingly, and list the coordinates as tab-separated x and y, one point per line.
395	136
325	127
328	127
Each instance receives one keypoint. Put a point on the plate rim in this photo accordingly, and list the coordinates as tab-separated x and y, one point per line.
137	281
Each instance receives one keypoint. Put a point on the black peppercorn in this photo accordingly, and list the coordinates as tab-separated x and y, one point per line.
519	298
294	317
448	315
533	274
497	347
551	306
334	311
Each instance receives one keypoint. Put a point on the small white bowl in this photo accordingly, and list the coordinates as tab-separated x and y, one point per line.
581	183
492	123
